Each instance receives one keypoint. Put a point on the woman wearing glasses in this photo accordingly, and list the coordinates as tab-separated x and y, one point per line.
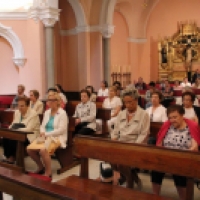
53	134
157	112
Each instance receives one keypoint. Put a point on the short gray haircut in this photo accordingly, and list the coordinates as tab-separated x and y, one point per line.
21	86
132	92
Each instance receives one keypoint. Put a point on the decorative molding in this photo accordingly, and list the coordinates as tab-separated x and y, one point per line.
14	15
106	31
47	15
137	40
13	39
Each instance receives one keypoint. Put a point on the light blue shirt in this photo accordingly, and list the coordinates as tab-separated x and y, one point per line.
50	125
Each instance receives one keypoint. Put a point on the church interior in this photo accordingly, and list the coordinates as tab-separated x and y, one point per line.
79	43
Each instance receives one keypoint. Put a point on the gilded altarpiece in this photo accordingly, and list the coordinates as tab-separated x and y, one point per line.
179	55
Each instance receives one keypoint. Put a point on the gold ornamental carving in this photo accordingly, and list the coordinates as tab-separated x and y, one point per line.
179	53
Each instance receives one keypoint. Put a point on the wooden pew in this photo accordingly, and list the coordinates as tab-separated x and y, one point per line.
64	156
118	153
20	137
137	155
154	128
6	118
24	187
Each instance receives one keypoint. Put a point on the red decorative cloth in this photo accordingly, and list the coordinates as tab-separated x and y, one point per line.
193	128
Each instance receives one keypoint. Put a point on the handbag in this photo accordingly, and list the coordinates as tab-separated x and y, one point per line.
18	125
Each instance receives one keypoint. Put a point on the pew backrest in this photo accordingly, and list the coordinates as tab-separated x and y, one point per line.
22	186
154	128
137	155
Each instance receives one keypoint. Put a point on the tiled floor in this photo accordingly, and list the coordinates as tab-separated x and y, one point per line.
168	188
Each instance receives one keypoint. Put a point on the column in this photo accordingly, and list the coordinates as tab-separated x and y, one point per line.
47	11
106	60
49	56
107	31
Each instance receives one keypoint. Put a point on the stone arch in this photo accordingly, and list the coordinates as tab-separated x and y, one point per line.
79	13
107	12
108	8
13	39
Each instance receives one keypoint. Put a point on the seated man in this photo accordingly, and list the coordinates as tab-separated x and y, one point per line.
176	133
140	85
20	93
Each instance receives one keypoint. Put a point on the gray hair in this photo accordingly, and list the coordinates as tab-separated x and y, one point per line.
132	92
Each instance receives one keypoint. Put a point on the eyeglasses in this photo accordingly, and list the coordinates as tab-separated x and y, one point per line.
51	100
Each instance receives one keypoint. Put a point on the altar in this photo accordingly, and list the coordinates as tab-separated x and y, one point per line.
179	55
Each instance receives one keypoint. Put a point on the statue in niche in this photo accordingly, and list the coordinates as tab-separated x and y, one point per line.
189	55
163	54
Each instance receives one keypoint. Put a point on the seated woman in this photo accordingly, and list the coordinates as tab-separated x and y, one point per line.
118	85
93	96
196	84
30	119
85	115
179	99
61	93
191	112
53	134
115	104
177	133
62	104
132	124
35	103
185	83
157	112
168	94
151	89
177	85
103	91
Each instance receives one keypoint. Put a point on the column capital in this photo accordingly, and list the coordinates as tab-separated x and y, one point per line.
107	30
46	11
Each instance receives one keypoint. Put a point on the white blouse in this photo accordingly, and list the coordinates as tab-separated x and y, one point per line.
185	84
159	114
102	93
189	113
112	104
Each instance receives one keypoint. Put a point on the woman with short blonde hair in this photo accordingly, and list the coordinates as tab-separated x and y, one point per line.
53	134
114	103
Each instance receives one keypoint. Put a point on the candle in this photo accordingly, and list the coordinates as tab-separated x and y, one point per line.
119	69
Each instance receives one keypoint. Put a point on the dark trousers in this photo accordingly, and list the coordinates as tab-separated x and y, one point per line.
10	147
157	177
82	129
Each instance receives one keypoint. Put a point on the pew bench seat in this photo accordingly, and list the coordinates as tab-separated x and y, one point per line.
107	191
